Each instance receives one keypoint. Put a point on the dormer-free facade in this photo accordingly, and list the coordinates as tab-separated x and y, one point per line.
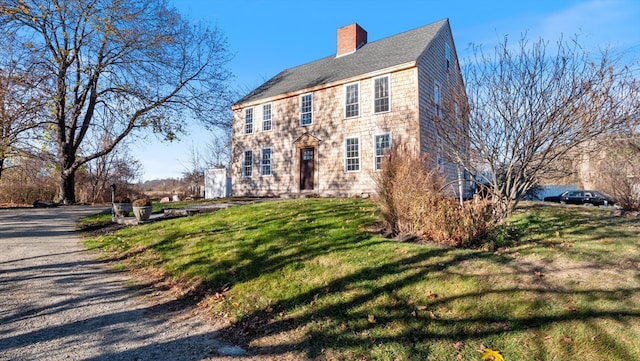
324	127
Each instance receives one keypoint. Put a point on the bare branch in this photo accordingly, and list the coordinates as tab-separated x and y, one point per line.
120	67
531	105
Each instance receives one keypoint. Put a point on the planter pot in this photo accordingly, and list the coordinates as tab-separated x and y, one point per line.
122	209
142	213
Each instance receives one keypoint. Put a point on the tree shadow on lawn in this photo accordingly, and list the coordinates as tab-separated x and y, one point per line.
387	306
362	311
267	248
591	234
544	220
272	247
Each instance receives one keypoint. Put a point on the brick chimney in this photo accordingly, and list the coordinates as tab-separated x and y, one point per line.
350	38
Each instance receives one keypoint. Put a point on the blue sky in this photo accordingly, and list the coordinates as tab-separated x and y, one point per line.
266	37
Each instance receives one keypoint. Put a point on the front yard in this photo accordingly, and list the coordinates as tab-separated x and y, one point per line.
312	279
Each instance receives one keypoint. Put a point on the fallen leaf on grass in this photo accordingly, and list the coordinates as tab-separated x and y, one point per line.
491	355
458	345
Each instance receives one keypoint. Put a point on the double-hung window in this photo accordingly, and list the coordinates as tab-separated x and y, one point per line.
266	118
437	99
447	55
440	152
381	94
247	164
306	109
456	113
265	162
352	154
248	121
382	142
352	100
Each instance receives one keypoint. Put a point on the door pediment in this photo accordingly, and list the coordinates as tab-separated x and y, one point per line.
307	140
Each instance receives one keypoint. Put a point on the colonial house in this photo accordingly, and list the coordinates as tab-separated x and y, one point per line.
323	127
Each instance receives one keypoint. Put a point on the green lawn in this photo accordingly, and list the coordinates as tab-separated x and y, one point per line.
311	278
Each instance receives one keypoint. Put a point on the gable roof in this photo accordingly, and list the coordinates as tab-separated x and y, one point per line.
384	53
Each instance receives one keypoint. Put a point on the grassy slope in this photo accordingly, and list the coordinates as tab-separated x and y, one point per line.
309	277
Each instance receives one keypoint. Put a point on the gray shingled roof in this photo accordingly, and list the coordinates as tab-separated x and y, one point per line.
381	54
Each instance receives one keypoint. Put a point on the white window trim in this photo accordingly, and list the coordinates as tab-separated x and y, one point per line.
244	161
253	117
373	93
344	149
357	83
374	147
270	162
270	120
300	109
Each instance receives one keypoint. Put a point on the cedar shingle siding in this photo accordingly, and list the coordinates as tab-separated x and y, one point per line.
412	60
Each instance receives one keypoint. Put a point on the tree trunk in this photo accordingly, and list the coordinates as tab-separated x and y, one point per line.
67	190
67	187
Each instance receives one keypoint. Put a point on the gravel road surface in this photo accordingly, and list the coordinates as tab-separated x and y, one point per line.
57	302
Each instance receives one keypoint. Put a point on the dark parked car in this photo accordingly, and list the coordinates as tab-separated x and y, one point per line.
581	197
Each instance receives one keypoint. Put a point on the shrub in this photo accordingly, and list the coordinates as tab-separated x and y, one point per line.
142	202
122	199
19	187
413	203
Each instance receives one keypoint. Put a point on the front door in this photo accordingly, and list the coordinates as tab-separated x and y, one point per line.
306	168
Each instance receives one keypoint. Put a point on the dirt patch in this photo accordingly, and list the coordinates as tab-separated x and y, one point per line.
100	229
553	274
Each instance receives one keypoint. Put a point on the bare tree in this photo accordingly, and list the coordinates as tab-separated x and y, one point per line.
193	175
529	107
217	152
118	167
116	67
21	103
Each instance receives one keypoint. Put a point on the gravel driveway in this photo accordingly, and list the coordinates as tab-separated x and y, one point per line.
57	302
